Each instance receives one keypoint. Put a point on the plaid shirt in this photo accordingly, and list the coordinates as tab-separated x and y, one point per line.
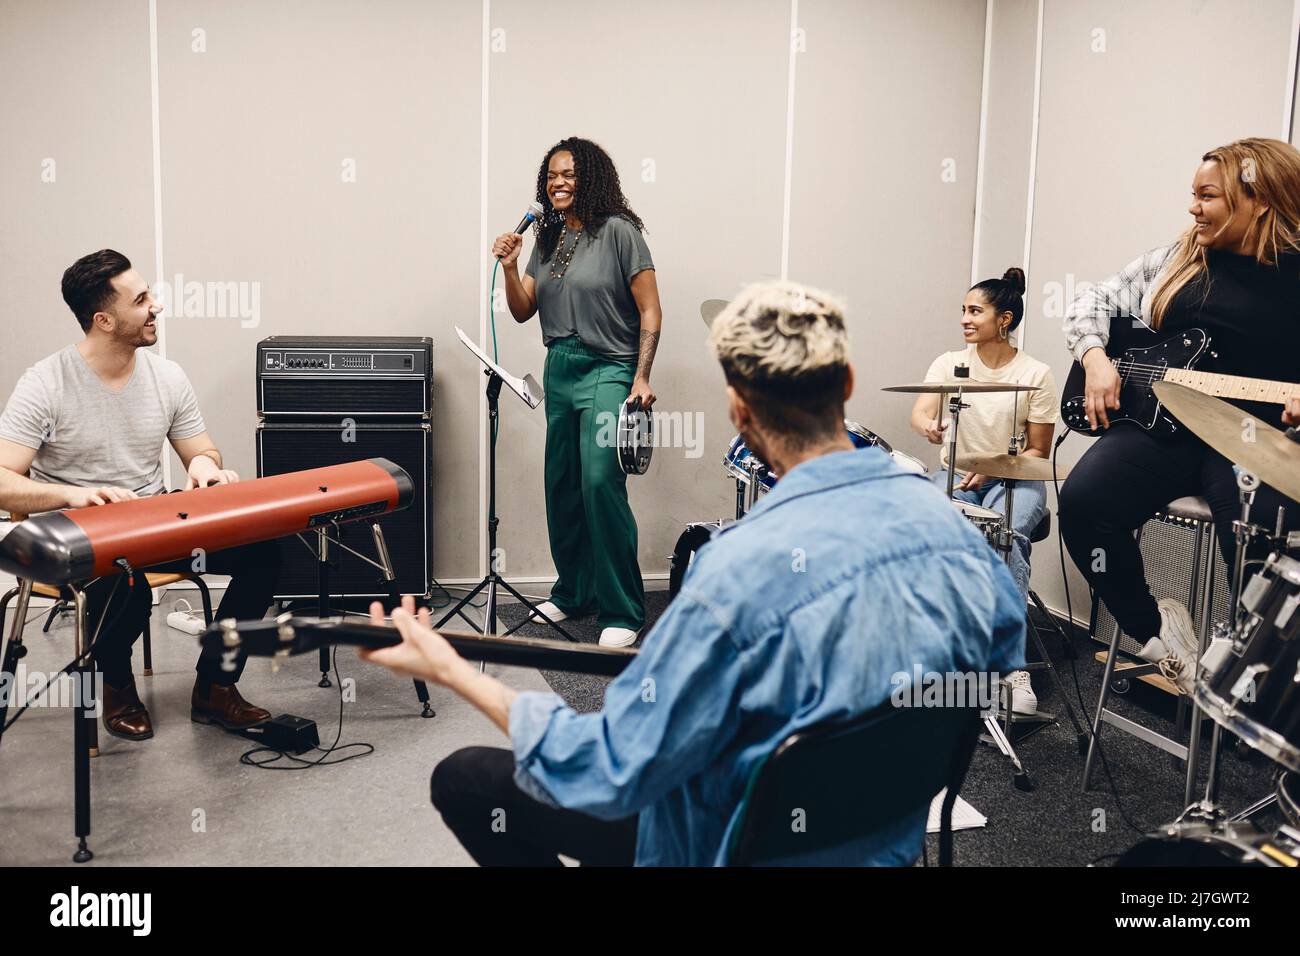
1088	318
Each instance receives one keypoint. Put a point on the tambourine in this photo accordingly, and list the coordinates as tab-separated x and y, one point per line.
636	435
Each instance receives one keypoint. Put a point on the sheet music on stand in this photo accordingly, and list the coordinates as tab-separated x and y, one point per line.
964	816
526	387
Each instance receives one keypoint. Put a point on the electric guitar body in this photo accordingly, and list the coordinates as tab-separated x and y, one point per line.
1139	366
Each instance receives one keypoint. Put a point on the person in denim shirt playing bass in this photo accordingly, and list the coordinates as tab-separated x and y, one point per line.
848	575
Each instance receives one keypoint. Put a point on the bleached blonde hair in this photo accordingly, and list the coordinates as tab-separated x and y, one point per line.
785	347
780	330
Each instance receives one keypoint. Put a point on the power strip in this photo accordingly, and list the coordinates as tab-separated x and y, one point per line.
186	621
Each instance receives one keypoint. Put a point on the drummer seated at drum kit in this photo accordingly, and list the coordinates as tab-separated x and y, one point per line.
994	424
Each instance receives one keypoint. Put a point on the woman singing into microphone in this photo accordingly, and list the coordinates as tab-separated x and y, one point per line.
592	280
989	314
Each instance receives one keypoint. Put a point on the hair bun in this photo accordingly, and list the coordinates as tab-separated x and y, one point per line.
1015	277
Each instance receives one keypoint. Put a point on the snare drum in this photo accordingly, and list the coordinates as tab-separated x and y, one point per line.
906	462
1251	680
865	438
986	521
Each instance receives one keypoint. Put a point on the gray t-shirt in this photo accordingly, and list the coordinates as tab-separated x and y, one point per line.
594	299
86	434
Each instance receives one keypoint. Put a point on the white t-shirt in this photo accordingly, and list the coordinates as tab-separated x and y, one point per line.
991	420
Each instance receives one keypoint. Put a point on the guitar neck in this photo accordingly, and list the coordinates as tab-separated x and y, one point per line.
1234	386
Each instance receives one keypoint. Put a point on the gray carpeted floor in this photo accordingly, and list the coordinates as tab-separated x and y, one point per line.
1057	823
184	798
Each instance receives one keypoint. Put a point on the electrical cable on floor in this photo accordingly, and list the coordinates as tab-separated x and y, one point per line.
298	763
1069	613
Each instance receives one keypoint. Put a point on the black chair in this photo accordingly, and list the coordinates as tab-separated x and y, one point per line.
854	779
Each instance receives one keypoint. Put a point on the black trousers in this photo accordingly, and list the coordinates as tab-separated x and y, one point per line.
254	570
500	825
1125	477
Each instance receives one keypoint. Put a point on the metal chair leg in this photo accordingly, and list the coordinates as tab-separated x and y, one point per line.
1204	604
1107	673
145	635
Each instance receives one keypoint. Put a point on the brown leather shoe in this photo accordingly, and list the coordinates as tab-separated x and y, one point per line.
225	707
124	714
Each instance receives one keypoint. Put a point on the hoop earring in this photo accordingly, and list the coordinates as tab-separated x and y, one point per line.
1004	332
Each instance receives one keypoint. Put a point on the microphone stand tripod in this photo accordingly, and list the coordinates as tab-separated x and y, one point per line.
493	581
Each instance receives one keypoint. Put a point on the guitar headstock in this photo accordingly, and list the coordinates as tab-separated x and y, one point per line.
288	635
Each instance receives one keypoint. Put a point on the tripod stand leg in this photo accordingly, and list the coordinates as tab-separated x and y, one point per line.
421	689
14	649
1051	668
1022	779
1263	803
458	609
81	737
1106	674
532	610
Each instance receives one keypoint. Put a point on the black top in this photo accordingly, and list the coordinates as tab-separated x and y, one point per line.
1252	313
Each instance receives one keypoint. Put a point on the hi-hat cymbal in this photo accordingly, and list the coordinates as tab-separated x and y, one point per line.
1243	439
710	308
966	385
1021	467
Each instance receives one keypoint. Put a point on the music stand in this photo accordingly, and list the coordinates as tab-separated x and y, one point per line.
531	393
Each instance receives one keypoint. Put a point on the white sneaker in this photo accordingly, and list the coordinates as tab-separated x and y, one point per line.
617	637
1154	651
550	610
1177	635
1023	699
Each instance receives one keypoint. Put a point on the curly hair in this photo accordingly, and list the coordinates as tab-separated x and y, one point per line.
597	197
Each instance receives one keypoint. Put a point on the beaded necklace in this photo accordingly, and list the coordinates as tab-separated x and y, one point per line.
563	259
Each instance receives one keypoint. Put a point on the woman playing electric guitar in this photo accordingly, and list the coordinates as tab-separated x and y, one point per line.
1234	273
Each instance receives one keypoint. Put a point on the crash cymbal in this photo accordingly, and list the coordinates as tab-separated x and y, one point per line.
1022	467
965	385
710	308
1243	439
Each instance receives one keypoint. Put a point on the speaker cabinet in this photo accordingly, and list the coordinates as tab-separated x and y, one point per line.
1168	546
294	446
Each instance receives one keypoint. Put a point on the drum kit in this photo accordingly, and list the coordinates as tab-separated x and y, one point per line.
1248	679
999	530
754	478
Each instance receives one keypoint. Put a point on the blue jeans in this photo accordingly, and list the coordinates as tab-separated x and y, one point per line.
1031	508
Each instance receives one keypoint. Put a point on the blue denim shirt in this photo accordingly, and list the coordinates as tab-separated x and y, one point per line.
849	572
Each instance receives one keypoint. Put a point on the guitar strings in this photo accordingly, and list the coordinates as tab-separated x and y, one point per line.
1147	374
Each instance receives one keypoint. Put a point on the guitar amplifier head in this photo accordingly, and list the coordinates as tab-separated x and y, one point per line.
330	378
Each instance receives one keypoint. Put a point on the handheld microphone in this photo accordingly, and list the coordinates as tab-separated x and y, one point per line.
534	213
